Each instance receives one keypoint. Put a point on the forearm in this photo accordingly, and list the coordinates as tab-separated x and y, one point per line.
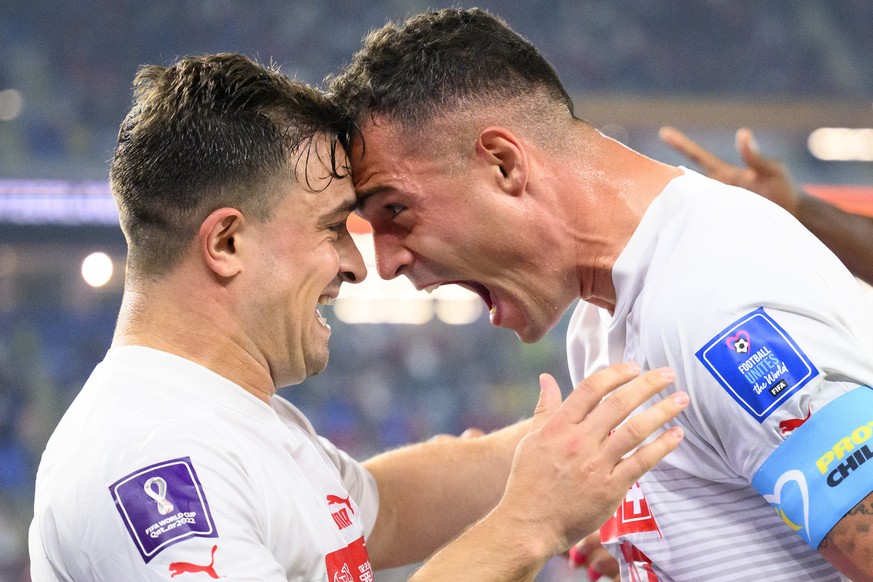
849	545
568	476
430	492
493	550
849	236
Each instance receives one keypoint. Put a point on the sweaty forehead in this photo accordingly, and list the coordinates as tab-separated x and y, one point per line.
386	144
335	202
379	138
377	153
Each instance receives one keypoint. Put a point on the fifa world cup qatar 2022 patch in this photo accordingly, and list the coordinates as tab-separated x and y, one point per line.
163	504
757	362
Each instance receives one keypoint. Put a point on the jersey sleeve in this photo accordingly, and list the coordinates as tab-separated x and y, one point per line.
212	507
765	342
821	472
358	481
188	514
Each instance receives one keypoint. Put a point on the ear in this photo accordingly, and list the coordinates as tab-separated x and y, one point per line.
507	157
218	241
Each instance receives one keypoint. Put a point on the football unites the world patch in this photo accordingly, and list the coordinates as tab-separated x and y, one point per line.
757	363
163	504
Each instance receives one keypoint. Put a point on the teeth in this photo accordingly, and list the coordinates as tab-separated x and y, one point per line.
326	300
321	319
432	288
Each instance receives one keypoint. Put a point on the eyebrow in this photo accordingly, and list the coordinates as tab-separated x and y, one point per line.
364	195
349	206
345	209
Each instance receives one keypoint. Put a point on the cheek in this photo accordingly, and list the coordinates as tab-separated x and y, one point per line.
331	260
323	264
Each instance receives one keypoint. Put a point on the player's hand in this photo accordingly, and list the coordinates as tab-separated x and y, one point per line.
571	471
761	175
589	552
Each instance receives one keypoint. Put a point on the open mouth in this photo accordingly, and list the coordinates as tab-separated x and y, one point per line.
477	288
323	300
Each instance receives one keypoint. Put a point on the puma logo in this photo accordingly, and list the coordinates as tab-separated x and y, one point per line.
177	568
788	426
335	500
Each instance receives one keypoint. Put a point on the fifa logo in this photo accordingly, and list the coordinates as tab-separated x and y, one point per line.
156	488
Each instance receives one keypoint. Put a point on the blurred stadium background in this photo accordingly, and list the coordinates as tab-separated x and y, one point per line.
404	366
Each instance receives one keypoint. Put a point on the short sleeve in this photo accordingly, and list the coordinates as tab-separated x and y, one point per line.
762	337
358	481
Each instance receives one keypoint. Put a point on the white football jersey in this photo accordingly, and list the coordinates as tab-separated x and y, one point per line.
763	327
161	467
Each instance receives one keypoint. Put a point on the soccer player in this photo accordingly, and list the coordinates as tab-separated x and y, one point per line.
473	170
178	457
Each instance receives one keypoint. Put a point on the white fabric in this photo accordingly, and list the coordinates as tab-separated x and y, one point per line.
264	473
704	255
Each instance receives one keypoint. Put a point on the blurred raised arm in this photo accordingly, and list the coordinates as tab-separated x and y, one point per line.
849	236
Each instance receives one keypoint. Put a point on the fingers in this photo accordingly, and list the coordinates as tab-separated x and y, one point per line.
647	456
748	148
576	557
712	166
590	391
596	574
549	401
764	167
580	554
589	552
622	402
690	149
636	430
568	450
747	145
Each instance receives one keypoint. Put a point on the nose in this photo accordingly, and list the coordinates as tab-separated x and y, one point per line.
392	258
351	268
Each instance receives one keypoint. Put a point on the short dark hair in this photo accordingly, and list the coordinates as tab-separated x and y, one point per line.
208	132
436	60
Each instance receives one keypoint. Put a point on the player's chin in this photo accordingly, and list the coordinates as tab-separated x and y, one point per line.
316	354
527	330
317	362
530	335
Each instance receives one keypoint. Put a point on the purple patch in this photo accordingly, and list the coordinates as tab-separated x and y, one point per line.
163	504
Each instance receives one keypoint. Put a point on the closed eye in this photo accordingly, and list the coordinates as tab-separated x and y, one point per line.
337	227
395	209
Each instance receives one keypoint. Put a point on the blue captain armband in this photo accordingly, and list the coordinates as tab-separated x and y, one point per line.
824	468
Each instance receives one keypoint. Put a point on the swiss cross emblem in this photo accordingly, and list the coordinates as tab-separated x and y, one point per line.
632	516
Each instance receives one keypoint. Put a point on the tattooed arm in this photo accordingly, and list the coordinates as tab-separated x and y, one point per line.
849	545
